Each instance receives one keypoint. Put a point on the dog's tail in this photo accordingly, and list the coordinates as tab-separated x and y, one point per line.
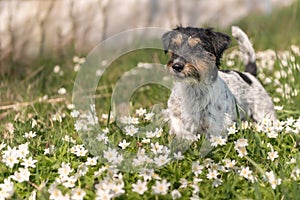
248	53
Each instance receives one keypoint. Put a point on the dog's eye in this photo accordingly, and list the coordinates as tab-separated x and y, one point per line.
211	55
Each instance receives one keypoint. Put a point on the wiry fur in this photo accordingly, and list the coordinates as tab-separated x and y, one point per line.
205	99
246	49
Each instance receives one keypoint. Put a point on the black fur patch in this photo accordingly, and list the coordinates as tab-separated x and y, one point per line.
251	68
242	75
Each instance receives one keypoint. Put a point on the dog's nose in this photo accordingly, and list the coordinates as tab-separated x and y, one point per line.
177	67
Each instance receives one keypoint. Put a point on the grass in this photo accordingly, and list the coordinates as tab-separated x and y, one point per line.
34	113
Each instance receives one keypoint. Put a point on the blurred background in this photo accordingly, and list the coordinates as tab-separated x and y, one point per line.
45	28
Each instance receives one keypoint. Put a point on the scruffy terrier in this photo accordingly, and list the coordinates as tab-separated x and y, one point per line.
205	99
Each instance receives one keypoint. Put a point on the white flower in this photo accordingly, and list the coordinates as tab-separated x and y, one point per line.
146	141
245	172
55	194
117	189
91	161
270	175
68	139
129	120
272	134
242	152
110	155
131	130
23	150
76	59
82	169
217	182
78	150
140	187
175	194
2	146
28	162
57	117
230	63
275	182
148	116
161	160
56	69
70	106
272	155
178	156
241	143
278	107
183	182
105	130
147	174
102	137
295	173
245	125
32	195
75	113
217	140
161	187
10	157
99	72
104	195
196	189
141	159
134	120
229	163
76	67
30	134
231	130
150	134
290	121
272	179
22	175
69	182
65	169
156	148
62	91
33	123
240	146
49	150
125	120
100	171
158	132
77	194
140	111
212	174
196	168
124	144
6	189
292	161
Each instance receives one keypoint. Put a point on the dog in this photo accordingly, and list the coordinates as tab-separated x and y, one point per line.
205	99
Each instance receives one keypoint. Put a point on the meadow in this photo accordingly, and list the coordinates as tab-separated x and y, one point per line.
45	155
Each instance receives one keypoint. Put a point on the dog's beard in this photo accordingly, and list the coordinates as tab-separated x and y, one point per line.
188	74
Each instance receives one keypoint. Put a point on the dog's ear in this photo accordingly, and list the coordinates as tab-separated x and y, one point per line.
166	40
219	41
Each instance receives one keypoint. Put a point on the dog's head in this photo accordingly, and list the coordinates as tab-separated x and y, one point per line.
195	52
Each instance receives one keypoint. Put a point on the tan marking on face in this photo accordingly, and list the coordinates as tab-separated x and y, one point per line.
200	67
177	39
193	41
170	53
